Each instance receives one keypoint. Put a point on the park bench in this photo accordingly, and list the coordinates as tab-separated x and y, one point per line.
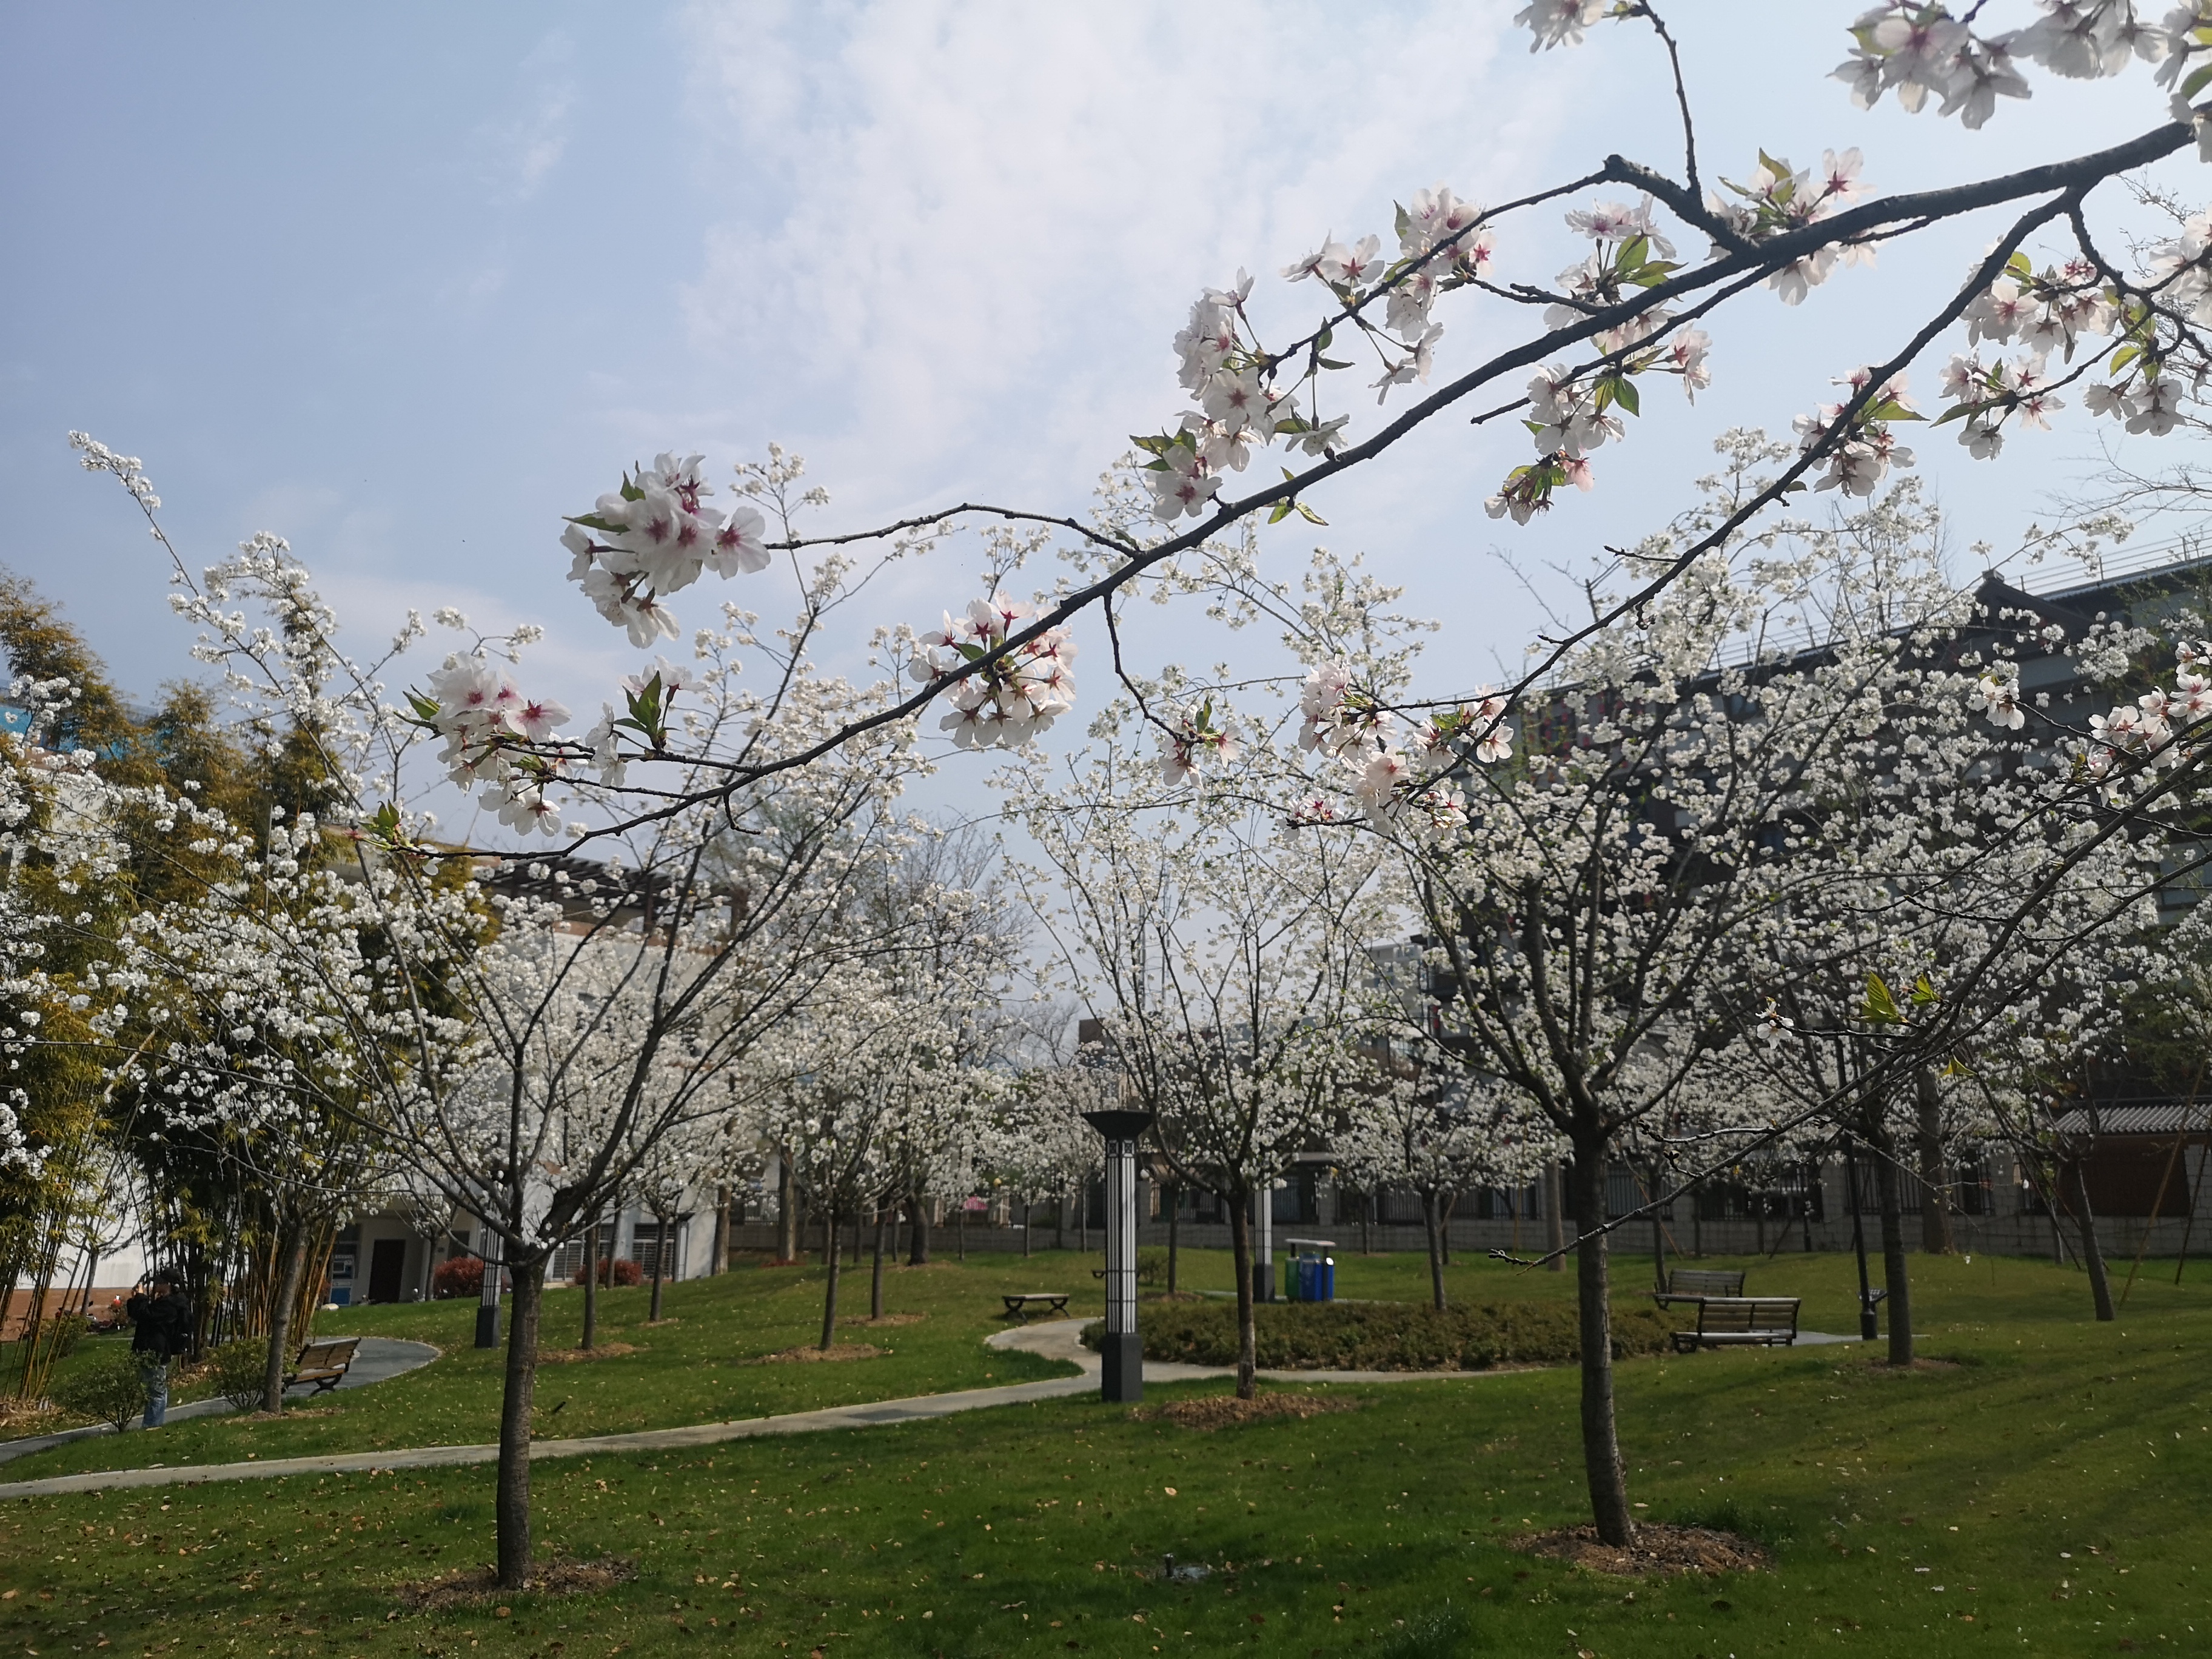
1735	1320
1018	1306
1694	1283
323	1364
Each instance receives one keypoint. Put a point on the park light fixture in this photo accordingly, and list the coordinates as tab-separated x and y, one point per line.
1122	1376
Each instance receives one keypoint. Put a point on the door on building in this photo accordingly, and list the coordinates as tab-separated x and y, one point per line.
387	1267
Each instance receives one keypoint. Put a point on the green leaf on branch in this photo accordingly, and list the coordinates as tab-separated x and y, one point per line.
1924	993
426	708
1880	1008
1625	394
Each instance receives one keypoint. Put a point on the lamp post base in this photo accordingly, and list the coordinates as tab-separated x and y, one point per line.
487	1326
1121	1377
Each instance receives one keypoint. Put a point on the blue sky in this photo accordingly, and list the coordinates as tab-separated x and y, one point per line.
405	284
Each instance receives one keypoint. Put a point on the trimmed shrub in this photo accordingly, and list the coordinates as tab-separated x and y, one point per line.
238	1369
1152	1267
618	1272
107	1388
462	1276
1387	1336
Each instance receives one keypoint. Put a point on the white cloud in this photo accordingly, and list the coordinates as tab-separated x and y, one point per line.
955	239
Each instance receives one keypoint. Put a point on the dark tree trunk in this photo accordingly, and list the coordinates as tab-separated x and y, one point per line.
829	1289
917	1221
960	1230
1895	1277
1432	1206
876	1271
1555	1220
1601	1464
1028	1212
1247	1340
720	1262
280	1320
2092	1253
514	1499
1658	1233
659	1263
1935	1237
591	1337
1447	1201
1175	1229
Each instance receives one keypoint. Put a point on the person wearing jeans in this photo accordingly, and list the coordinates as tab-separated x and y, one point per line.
163	1324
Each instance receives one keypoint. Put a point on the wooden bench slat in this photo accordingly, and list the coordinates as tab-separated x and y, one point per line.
1742	1320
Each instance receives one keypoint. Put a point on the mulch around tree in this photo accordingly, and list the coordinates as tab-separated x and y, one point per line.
1658	1549
811	1355
1223	1411
577	1356
476	1586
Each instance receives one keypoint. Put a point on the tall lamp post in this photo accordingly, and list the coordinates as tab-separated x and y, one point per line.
1122	1376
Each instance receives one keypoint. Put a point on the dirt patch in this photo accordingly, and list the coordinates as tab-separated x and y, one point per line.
578	1356
288	1414
888	1319
1657	1548
1223	1411
811	1355
477	1587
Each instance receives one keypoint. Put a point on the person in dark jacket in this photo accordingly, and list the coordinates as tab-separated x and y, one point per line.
161	1329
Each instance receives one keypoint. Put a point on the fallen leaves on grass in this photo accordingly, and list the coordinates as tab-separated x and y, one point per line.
809	1354
289	1413
888	1319
1222	1410
1658	1549
577	1356
475	1586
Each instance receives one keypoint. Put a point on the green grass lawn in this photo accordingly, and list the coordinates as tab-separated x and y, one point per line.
2041	1493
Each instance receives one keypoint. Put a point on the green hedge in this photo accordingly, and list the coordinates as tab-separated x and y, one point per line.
1386	1336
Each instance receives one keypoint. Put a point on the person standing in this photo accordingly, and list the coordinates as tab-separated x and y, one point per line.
161	1329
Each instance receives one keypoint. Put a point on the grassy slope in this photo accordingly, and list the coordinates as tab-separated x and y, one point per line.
2055	1436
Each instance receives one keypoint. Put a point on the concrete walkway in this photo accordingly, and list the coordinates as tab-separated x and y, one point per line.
378	1359
1058	1338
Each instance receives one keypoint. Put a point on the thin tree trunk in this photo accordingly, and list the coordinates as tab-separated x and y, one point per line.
960	1230
1658	1233
787	1214
2092	1253
917	1221
659	1263
280	1320
1175	1229
1247	1341
591	1337
1433	1226
1936	1233
1447	1201
1028	1214
876	1275
830	1290
1601	1464
720	1262
1555	1220
528	1298
1895	1277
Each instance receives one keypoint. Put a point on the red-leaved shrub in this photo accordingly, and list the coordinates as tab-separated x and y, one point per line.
462	1276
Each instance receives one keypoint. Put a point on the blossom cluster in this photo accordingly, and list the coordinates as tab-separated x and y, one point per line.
1195	742
1916	49
1017	693
1570	413
1778	200
1442	243
490	730
1390	778
1857	462
2159	725
652	536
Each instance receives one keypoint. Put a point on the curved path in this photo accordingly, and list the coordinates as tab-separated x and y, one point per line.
1051	1340
1055	1340
378	1359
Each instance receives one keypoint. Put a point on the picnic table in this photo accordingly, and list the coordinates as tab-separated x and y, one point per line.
323	1364
1018	1306
1695	1283
1741	1321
